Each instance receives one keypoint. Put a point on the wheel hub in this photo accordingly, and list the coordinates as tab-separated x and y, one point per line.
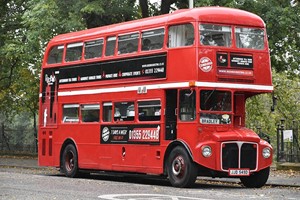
69	161
178	166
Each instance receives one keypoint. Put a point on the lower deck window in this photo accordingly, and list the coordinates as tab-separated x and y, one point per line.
124	111
149	110
90	113
71	113
107	112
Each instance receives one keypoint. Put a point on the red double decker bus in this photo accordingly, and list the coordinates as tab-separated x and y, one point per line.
163	95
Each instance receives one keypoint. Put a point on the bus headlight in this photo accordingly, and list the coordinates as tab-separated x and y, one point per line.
266	153
206	151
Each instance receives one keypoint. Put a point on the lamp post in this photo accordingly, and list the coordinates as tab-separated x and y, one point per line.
282	159
191	4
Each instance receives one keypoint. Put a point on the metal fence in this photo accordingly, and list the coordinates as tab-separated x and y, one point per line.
288	149
17	140
285	143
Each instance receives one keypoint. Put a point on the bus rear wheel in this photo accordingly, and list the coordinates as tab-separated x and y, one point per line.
70	161
182	171
257	179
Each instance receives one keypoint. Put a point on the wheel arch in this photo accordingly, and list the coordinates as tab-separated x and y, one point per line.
66	143
171	146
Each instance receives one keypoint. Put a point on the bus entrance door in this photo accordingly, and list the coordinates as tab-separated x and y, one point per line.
48	119
171	121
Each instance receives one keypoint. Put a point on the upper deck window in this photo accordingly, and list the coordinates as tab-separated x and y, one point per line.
74	52
153	39
55	55
128	43
110	46
93	49
215	35
250	38
181	35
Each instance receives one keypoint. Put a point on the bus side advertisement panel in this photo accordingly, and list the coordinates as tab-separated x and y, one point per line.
130	134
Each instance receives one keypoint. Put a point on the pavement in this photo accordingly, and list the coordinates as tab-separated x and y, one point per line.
287	177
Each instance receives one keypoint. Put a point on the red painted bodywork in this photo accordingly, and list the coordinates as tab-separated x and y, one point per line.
182	66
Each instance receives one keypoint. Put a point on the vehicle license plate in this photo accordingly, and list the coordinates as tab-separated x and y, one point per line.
239	172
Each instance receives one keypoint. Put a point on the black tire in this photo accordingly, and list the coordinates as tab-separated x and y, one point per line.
70	161
182	171
257	179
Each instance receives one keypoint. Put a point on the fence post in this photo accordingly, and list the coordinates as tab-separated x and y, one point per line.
296	147
278	142
282	157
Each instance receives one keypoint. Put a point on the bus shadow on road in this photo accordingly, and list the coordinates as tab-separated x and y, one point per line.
153	180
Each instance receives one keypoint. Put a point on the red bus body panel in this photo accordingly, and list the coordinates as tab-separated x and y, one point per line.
182	71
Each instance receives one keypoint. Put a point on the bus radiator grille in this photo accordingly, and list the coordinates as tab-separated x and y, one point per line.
239	155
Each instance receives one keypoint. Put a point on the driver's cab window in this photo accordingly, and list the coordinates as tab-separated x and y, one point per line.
181	35
215	106
187	105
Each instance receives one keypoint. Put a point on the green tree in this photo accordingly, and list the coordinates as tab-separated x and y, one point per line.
11	50
287	92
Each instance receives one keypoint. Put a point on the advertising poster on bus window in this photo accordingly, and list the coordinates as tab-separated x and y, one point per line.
131	134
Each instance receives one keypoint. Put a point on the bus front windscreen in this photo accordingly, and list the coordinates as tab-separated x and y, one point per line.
249	38
216	107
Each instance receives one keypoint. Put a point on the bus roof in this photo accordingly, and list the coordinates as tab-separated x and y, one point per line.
220	15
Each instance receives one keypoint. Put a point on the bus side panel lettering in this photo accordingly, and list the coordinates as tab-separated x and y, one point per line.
131	134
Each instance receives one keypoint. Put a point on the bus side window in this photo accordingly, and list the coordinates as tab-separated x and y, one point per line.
110	46
90	113
55	55
187	105
74	52
128	43
107	112
181	35
71	113
149	110
124	111
153	39
93	49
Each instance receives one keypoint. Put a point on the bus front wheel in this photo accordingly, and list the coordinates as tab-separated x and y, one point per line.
70	161
257	179
182	171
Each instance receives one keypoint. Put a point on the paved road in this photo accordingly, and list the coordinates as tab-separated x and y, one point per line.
277	177
20	183
24	180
